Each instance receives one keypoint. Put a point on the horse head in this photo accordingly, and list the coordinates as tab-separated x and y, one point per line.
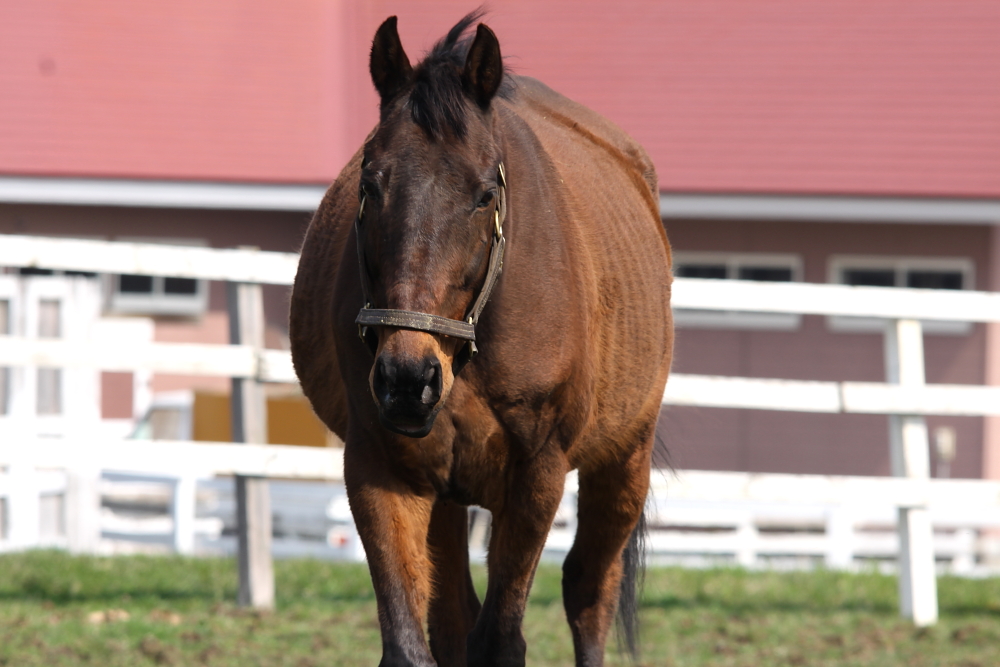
429	224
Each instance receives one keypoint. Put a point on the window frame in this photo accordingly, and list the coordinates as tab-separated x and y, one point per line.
900	265
689	318
156	303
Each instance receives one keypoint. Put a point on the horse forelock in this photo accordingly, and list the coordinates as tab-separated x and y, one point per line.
437	100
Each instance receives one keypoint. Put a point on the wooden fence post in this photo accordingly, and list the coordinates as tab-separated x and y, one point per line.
249	422
910	457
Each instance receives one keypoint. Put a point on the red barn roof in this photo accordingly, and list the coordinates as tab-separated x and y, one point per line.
855	97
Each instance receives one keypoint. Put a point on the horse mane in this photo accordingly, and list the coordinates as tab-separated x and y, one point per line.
438	101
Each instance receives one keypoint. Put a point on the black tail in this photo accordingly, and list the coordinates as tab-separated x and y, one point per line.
630	591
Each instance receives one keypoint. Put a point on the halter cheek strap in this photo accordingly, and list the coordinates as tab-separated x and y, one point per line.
416	321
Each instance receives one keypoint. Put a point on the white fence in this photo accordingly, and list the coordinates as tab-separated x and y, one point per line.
904	396
791	520
694	516
73	469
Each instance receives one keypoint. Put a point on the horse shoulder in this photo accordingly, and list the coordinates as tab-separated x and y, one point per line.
311	330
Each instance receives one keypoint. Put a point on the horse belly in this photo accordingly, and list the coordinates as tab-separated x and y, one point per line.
625	273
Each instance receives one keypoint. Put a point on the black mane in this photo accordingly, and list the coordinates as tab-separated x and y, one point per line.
437	100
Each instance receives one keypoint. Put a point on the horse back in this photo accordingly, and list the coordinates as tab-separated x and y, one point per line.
544	109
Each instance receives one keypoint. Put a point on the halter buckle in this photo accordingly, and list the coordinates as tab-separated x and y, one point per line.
362	329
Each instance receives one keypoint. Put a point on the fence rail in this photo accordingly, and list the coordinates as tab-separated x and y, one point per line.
205	459
244	361
240	361
855	397
233	265
896	303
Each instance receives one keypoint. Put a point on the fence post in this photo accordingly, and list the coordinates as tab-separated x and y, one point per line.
910	457
839	538
182	509
83	509
249	422
747	541
23	506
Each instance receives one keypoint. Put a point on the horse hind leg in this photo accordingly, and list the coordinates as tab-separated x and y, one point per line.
454	605
609	510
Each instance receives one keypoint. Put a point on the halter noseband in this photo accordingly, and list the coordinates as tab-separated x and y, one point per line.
409	319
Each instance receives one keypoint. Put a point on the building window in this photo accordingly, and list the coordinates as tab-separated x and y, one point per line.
129	294
737	266
49	381
155	295
916	272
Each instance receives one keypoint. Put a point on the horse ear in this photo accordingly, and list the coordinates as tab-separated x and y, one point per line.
389	66
483	67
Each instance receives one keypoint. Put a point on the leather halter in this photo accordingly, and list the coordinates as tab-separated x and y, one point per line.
409	319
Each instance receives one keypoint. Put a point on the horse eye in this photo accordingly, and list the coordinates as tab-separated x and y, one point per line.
366	190
486	200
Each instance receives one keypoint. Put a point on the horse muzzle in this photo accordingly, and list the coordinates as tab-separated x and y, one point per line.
408	392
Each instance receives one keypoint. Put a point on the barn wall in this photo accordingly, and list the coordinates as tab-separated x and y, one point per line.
855	96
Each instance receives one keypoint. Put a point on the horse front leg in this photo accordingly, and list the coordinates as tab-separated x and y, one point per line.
519	529
454	604
393	522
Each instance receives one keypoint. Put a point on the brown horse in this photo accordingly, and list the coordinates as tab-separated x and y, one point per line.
471	169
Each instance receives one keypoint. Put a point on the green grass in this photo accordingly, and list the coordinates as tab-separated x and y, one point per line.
57	609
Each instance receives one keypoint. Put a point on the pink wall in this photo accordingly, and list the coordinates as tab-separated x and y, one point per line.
219	90
850	96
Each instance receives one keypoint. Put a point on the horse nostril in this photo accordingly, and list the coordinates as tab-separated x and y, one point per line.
384	378
407	386
432	382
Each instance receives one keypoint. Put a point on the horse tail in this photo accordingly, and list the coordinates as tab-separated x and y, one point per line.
630	589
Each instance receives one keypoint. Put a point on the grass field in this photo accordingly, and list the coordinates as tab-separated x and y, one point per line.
57	609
